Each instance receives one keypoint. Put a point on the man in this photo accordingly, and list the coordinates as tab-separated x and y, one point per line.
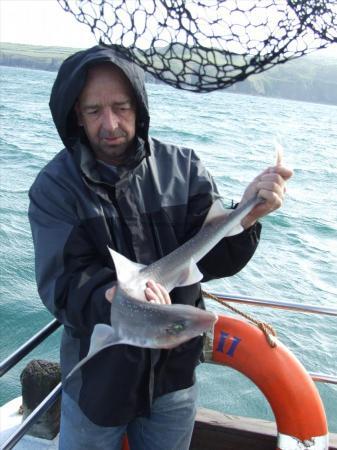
114	186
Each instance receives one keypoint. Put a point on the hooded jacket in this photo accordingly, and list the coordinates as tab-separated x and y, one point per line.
144	210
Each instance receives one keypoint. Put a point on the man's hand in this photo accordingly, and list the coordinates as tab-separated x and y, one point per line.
154	293
269	185
109	294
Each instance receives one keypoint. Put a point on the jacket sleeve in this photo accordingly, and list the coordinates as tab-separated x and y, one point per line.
70	274
232	253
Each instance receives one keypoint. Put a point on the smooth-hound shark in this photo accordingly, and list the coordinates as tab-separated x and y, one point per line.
138	322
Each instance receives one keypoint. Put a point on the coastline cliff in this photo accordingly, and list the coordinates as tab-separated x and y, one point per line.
312	78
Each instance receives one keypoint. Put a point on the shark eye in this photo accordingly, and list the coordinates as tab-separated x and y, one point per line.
176	327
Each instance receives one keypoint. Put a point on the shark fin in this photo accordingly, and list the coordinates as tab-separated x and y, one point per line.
102	337
125	268
190	275
216	211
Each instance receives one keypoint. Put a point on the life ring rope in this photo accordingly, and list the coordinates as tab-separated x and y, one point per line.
265	327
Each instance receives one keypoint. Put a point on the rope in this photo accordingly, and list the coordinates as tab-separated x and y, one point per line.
267	329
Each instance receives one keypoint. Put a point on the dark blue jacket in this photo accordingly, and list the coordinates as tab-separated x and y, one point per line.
78	208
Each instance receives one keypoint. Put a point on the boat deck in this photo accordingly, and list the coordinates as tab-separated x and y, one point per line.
216	431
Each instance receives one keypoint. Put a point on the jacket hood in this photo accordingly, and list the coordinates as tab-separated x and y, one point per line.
71	79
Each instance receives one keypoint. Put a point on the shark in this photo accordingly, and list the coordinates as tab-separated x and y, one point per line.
134	320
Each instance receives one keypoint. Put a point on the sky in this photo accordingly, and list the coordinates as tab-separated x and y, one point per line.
44	22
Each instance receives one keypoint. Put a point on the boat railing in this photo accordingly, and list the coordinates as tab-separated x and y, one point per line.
33	418
51	398
290	306
28	346
39	337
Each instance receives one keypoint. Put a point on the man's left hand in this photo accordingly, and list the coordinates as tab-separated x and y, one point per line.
269	185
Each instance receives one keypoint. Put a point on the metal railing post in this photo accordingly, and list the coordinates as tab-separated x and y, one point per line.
38	411
28	346
277	304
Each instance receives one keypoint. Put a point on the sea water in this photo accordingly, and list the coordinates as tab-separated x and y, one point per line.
234	135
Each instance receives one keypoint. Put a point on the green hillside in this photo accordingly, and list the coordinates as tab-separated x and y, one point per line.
33	56
310	78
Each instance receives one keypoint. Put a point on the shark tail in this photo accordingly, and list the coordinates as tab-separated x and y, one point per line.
102	337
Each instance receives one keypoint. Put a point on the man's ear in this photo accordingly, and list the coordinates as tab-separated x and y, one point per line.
78	114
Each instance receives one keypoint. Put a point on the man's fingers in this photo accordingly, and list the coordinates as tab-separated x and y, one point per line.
165	294
109	294
284	172
156	293
272	200
272	177
153	292
272	186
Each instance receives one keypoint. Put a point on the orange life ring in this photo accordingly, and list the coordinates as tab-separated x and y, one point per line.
125	444
290	391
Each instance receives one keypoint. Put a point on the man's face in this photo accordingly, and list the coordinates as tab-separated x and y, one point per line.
106	109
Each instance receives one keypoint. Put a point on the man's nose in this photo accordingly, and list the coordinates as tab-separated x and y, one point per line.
110	119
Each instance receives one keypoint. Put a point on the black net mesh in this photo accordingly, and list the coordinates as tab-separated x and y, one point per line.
203	45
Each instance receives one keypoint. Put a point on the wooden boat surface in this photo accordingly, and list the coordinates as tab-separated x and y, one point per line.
212	431
217	431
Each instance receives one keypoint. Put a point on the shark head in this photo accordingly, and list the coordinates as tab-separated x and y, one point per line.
151	325
143	324
185	322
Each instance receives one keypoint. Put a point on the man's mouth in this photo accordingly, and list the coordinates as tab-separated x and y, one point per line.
112	139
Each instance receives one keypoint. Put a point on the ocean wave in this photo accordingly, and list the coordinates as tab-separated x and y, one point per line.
296	258
13	191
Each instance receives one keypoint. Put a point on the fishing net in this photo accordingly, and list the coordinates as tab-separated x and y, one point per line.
203	45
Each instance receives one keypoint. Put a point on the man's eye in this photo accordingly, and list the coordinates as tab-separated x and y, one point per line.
124	108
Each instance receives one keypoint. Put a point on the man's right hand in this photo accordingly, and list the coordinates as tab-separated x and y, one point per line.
154	293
